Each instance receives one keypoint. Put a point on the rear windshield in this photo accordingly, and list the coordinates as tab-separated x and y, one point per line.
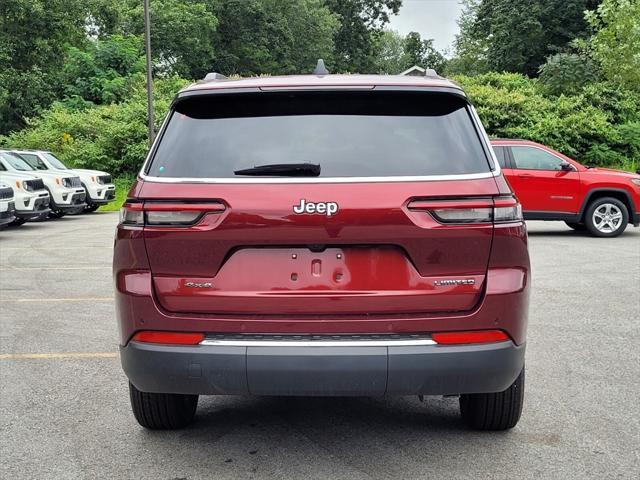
354	134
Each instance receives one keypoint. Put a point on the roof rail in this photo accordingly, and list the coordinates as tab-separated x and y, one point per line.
320	68
214	76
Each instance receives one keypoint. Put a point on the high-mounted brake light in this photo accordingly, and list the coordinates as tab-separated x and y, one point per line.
167	214
462	338
169	338
464	211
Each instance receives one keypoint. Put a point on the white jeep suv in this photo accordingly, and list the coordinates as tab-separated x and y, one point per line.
6	205
66	192
30	197
98	185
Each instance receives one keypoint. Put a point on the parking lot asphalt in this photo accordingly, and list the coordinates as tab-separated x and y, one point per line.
64	407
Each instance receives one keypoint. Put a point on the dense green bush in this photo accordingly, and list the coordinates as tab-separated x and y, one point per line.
106	137
599	125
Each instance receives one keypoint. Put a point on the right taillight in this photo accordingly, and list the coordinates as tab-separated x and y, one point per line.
159	214
506	210
470	211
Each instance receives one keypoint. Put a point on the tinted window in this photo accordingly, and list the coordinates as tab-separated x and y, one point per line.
34	161
500	155
531	158
15	161
348	135
54	162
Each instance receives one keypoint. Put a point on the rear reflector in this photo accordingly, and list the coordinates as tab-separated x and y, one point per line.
481	336
169	338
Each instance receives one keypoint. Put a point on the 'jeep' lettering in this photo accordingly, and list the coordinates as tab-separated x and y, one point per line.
323	208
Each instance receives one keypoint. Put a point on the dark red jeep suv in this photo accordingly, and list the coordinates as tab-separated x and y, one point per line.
322	235
552	186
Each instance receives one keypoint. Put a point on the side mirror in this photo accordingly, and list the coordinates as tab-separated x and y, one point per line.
567	167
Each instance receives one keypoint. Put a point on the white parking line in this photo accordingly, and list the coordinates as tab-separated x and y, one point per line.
38	248
52	356
44	300
88	267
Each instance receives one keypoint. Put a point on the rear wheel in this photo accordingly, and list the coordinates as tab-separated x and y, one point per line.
162	411
494	411
606	217
580	227
17	222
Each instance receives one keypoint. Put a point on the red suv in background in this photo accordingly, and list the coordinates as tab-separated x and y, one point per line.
322	235
552	186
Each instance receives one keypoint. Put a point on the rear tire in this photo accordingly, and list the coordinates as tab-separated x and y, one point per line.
91	208
162	411
494	411
578	227
17	222
56	214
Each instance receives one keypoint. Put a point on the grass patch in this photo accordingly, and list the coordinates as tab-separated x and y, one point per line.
122	188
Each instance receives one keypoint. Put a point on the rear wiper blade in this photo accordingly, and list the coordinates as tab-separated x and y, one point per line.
282	169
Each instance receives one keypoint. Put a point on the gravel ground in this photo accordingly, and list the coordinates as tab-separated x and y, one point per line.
68	416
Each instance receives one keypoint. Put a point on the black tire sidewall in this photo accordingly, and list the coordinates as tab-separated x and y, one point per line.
588	219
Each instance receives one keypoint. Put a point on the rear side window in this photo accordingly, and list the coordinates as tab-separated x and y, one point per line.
349	134
501	156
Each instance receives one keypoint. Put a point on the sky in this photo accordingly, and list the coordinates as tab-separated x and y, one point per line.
431	18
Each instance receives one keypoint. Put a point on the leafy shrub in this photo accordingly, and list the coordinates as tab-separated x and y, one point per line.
105	137
598	125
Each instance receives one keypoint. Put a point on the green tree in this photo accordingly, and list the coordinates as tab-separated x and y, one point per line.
391	57
182	34
470	50
272	36
33	35
422	52
106	70
616	42
518	35
567	73
361	23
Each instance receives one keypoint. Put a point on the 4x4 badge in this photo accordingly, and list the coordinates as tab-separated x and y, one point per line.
323	208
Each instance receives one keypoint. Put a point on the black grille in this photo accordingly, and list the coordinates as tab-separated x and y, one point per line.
104	179
6	192
33	185
72	182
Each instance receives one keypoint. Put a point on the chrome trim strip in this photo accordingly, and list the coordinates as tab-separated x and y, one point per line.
496	165
317	343
424	178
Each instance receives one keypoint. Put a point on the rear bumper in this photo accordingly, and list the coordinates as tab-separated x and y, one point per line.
322	370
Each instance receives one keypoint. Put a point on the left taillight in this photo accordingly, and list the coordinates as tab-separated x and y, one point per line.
167	214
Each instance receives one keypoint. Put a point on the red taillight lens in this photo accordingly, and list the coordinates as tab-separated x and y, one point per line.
461	338
169	338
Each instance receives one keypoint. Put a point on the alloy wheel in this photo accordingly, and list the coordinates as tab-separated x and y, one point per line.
607	218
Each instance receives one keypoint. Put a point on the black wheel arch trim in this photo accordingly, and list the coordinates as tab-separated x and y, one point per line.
633	214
